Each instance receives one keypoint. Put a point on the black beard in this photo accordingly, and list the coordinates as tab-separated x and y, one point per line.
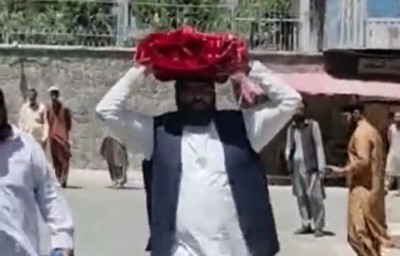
299	118
197	117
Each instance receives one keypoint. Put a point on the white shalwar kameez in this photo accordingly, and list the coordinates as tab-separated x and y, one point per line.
206	221
393	159
27	184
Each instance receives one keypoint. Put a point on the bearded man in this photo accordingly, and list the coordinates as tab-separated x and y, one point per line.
26	183
60	123
209	195
306	161
365	173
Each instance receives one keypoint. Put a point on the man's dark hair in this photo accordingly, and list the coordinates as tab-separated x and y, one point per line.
181	82
32	90
352	107
391	115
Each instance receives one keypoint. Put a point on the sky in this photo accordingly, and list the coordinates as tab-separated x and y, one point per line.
383	8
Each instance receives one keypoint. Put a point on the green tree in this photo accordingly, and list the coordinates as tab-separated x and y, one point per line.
56	22
82	22
205	15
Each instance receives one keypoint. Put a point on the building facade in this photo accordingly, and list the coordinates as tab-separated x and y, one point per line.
360	24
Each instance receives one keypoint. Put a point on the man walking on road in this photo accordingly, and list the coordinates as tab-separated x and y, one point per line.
26	183
114	153
60	123
366	178
209	194
306	161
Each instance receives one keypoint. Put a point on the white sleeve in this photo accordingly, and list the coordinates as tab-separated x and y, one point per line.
264	122
52	205
134	129
289	142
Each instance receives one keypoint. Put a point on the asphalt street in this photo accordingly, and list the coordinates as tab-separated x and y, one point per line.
113	222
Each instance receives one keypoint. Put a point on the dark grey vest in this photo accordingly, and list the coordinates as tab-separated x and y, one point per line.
248	184
309	146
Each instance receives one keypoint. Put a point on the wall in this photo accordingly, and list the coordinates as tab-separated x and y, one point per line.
84	76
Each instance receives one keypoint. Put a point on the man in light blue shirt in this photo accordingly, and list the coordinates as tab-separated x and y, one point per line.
26	183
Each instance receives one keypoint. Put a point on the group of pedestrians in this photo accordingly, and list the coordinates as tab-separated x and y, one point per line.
50	125
366	174
206	194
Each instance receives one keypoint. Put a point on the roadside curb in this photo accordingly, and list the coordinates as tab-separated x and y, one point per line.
136	175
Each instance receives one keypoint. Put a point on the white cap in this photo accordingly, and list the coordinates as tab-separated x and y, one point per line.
53	89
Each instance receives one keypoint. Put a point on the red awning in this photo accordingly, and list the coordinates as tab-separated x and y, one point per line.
322	83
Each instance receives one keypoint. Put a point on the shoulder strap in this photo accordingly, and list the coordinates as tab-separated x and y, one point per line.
229	119
170	121
229	124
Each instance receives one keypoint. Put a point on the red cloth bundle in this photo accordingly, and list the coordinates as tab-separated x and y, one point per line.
188	53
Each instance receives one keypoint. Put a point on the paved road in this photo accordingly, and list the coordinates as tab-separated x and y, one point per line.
113	222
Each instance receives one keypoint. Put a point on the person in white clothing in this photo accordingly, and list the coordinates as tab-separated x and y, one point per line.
26	183
32	118
209	196
393	159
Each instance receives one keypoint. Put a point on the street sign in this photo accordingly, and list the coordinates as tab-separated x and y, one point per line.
379	66
375	64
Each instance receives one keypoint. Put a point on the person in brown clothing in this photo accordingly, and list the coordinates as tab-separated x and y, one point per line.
60	122
366	179
115	154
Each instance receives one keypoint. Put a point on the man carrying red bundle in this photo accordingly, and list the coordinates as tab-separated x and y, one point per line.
209	196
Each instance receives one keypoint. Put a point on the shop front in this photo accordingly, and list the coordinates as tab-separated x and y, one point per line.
347	76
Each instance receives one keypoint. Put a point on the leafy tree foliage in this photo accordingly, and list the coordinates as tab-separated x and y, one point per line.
206	15
94	22
165	14
55	22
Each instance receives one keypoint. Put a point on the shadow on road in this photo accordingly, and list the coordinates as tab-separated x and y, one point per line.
329	233
74	187
126	188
